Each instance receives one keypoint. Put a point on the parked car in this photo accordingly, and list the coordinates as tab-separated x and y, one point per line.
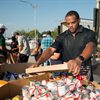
8	41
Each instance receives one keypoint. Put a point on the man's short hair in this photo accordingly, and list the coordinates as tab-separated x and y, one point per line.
48	33
16	33
72	12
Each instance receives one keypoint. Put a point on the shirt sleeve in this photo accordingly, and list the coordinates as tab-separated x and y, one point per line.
91	38
20	41
57	44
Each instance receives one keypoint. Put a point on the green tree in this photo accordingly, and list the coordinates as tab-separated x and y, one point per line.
22	32
31	34
54	33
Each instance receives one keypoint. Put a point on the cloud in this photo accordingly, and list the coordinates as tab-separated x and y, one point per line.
9	23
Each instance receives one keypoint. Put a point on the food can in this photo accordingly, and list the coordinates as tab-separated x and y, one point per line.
77	95
44	82
69	96
37	83
85	97
83	75
32	82
67	80
41	89
25	91
61	89
93	95
67	88
90	87
32	89
34	98
59	81
72	86
50	85
36	93
43	96
60	98
78	83
97	91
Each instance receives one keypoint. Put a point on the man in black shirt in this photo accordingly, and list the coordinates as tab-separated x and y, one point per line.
77	44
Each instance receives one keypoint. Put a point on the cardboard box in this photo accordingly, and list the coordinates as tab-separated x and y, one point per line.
14	68
14	88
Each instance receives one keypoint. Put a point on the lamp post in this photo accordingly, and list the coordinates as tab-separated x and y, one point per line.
34	7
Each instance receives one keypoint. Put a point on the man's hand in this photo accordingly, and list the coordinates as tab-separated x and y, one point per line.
75	66
34	65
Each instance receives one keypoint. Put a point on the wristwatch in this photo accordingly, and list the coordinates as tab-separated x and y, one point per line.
81	58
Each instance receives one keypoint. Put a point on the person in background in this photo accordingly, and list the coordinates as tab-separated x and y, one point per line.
56	58
24	48
3	49
77	44
43	36
46	43
14	45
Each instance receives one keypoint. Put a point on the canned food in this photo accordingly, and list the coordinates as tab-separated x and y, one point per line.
32	82
32	89
50	85
44	82
97	92
41	90
90	87
67	88
60	98
25	91
77	95
93	95
43	96
72	86
36	93
67	80
69	96
78	83
54	90
34	98
61	89
85	97
59	81
37	84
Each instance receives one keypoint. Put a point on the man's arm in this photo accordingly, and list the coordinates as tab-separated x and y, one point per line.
76	63
46	55
55	56
20	49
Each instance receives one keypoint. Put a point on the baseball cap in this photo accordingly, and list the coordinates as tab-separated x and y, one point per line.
2	26
16	33
44	35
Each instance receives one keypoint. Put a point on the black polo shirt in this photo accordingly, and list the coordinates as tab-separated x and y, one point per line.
72	46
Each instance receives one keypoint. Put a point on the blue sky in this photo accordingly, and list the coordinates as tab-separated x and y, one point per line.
16	15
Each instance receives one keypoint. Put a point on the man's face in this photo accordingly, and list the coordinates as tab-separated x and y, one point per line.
2	31
72	23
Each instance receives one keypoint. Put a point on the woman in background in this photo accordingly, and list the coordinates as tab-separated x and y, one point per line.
14	45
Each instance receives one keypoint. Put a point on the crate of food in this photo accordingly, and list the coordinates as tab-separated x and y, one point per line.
40	88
